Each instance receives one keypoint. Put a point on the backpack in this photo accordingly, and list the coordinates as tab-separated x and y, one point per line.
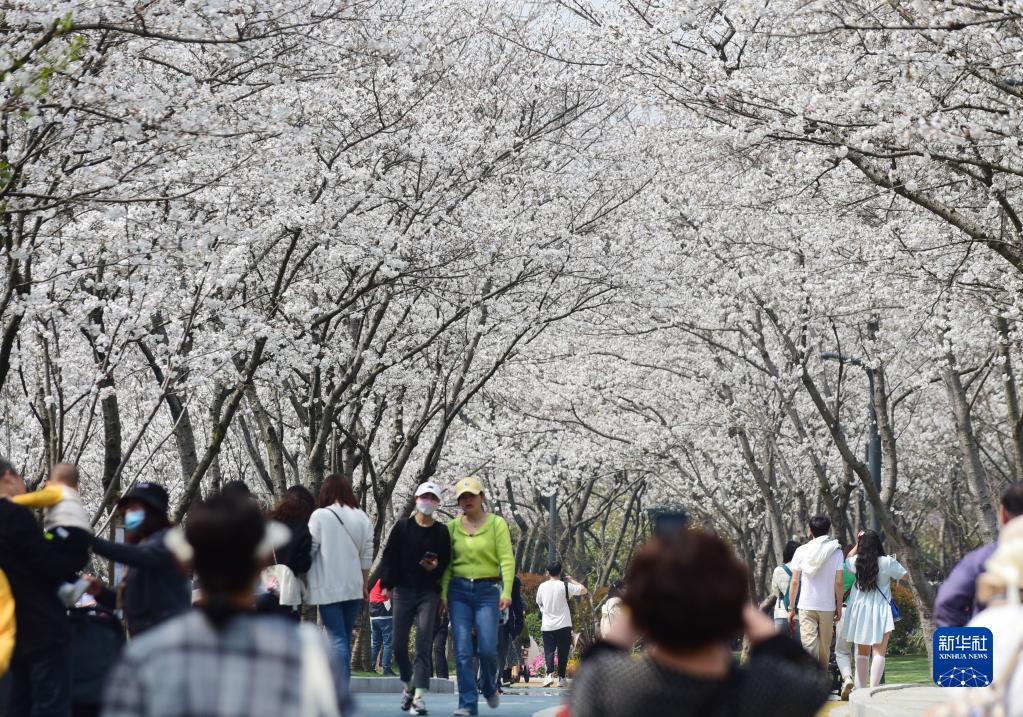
785	597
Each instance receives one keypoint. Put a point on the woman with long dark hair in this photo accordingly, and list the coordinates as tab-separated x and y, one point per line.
342	555
284	579
868	621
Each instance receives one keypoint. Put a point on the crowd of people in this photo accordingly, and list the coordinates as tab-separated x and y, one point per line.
213	609
243	648
828	595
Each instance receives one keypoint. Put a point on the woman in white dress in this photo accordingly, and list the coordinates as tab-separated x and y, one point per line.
868	621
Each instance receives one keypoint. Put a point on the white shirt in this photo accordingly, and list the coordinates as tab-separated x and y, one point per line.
550	597
340	554
817	591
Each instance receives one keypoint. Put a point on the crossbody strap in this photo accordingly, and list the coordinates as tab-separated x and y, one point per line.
354	544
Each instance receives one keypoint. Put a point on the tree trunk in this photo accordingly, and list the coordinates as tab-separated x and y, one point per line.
1011	397
772	509
973	467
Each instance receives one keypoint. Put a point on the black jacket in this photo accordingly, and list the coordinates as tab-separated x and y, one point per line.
155	589
517	611
406	545
297	553
34	571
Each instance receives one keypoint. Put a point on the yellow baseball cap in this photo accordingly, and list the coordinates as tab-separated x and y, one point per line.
468	485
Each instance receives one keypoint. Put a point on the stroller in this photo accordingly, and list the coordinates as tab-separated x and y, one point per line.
97	638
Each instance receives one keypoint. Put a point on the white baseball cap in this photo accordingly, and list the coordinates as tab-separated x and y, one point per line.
428	487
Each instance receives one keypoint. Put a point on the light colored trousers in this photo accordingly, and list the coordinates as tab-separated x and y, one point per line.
843	650
816	627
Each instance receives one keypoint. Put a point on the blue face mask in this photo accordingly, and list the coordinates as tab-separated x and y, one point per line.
134	519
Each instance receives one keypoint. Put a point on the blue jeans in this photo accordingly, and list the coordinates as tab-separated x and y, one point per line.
380	641
339	618
474	604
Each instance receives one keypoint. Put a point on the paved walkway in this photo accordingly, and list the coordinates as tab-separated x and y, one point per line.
514	703
890	701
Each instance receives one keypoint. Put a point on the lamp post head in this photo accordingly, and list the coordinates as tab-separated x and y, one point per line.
668	519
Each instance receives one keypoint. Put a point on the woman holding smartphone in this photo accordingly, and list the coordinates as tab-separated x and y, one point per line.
418	551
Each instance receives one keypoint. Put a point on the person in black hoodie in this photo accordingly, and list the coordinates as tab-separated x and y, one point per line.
40	669
418	551
293	510
155	587
511	627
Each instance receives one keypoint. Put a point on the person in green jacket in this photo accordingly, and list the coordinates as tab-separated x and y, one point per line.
476	587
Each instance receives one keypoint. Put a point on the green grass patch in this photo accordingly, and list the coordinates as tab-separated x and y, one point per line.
911	669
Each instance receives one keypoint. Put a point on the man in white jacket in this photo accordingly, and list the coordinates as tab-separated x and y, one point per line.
817	580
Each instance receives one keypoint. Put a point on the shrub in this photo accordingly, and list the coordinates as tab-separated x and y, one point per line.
907	639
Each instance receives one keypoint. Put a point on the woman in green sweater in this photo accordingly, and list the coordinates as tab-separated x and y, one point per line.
476	587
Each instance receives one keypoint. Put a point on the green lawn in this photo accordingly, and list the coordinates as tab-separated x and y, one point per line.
914	669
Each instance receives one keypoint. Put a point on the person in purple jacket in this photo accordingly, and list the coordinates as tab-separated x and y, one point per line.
956	601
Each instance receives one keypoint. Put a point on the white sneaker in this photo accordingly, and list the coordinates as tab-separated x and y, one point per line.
847	688
562	682
463	712
548	681
419	706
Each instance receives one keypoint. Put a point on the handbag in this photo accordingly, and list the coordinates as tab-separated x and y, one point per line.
270	577
896	612
281	582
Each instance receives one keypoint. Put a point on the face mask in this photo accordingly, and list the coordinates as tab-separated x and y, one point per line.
426	507
134	519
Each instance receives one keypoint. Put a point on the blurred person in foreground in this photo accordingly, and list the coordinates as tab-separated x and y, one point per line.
956	601
65	522
688	598
222	659
999	587
39	681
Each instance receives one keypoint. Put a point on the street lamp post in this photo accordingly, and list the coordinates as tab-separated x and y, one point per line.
873	439
553	517
668	518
